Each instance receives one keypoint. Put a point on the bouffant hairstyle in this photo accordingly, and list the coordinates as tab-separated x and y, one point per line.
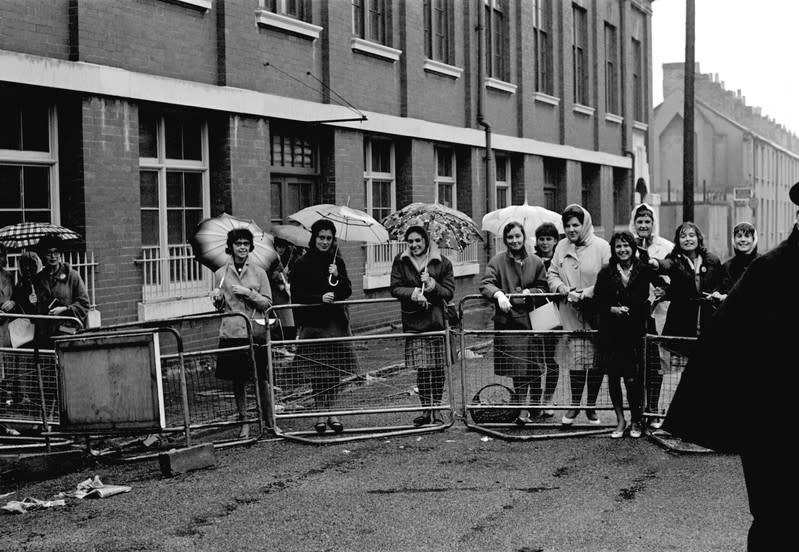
572	211
700	239
239	234
547	229
421	231
318	226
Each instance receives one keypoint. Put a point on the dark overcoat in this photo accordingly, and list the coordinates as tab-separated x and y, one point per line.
681	319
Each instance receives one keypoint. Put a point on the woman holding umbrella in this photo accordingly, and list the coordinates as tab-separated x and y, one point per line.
241	286
320	276
423	280
63	292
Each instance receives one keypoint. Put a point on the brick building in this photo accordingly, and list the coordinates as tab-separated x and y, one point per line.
745	162
131	121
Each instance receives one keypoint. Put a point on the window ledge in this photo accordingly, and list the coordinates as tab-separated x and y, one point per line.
374	49
638	125
204	5
583	110
613	118
546	98
500	85
172	308
441	68
287	24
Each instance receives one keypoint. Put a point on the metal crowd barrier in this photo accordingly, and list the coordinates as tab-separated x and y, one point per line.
199	407
665	360
374	382
490	361
29	383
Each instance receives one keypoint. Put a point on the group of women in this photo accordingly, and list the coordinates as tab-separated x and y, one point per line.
51	288
638	282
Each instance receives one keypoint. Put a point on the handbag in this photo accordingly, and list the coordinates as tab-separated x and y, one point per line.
21	331
259	327
546	317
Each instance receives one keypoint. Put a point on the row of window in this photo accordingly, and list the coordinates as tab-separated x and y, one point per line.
371	21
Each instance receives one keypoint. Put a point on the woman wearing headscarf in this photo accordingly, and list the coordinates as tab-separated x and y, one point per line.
577	260
241	286
320	278
6	301
651	245
516	271
744	246
423	280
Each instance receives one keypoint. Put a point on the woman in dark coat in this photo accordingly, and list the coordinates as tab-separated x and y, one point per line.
516	271
621	293
722	374
695	274
744	246
423	280
320	276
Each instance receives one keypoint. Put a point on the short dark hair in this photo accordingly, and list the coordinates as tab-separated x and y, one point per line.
547	229
419	230
643	210
49	242
239	234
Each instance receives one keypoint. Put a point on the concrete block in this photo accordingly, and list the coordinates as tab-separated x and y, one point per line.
181	460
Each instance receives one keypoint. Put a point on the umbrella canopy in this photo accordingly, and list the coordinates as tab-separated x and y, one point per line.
531	217
210	240
292	233
446	227
25	234
351	224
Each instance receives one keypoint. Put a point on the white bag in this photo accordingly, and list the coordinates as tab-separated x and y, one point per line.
545	317
21	331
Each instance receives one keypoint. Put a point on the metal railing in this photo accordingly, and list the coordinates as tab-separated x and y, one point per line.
380	256
172	273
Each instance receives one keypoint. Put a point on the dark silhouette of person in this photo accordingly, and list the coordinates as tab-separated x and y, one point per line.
727	372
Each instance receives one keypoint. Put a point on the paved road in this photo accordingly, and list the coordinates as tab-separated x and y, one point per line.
438	492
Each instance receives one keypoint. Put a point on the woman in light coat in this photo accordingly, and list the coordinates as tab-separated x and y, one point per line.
577	260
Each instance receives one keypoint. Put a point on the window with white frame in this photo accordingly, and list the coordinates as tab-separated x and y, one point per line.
28	160
543	47
369	19
612	104
174	188
580	54
496	40
502	180
379	177
446	190
295	171
289	8
438	30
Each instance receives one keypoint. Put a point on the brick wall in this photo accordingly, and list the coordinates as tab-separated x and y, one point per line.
110	182
38	27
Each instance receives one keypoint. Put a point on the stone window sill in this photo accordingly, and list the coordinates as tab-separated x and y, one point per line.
374	49
287	24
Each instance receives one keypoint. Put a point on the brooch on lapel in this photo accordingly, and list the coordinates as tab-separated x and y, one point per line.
702	269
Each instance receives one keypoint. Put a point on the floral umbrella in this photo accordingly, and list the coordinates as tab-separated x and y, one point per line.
531	217
447	227
210	241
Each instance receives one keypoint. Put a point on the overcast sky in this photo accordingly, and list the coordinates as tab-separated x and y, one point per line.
752	45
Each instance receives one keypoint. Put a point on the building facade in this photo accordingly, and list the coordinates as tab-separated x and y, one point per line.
132	121
745	162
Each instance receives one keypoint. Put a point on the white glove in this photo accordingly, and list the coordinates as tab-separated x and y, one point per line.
502	301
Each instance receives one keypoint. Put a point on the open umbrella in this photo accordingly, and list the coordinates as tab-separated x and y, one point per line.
446	227
25	234
292	233
210	240
531	217
351	224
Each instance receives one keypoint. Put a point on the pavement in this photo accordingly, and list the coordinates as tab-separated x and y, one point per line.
447	491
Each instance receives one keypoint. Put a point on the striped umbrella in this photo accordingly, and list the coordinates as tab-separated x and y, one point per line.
25	234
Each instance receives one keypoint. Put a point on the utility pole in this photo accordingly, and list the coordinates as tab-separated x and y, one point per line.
688	161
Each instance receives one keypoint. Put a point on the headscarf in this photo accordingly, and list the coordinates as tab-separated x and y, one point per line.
750	228
420	262
587	231
638	210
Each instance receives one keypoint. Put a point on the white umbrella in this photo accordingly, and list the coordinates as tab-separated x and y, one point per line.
530	216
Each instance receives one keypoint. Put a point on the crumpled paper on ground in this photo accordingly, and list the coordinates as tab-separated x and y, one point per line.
23	506
94	488
90	488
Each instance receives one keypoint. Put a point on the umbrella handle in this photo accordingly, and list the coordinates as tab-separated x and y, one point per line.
330	280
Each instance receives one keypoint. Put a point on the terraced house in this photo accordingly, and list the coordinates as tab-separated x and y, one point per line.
132	121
